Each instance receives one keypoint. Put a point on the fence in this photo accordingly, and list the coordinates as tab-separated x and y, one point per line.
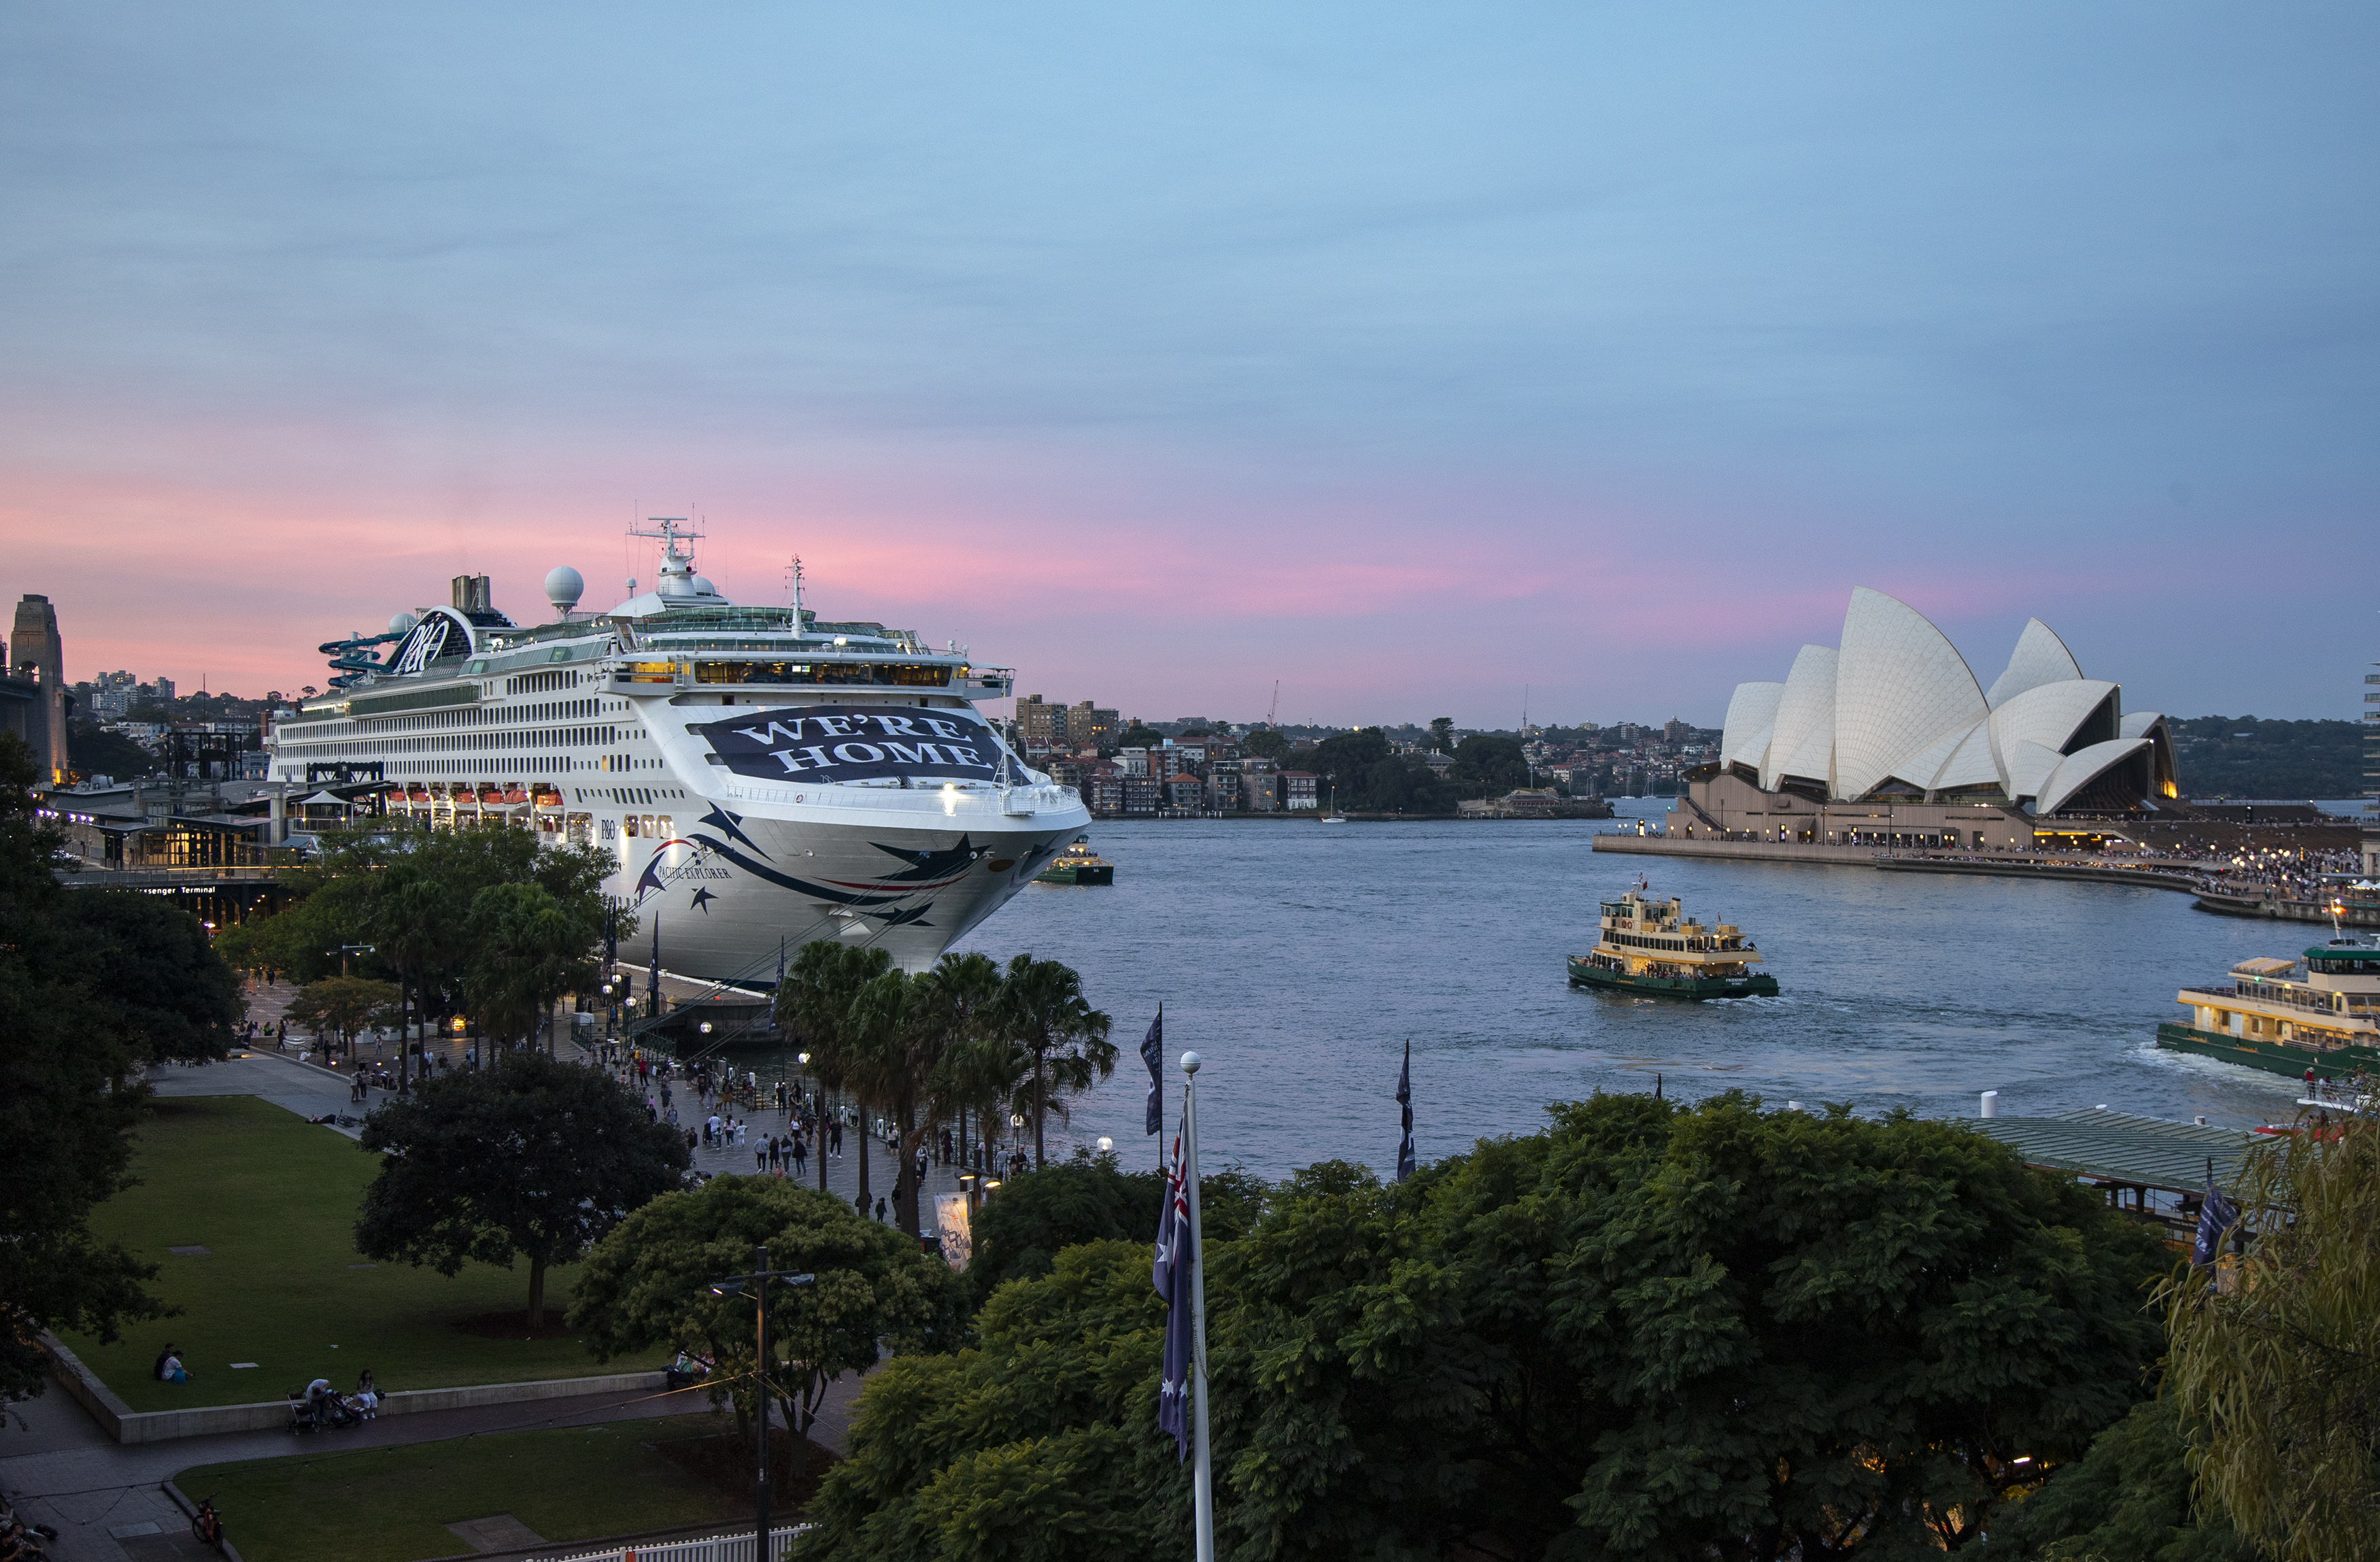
705	1548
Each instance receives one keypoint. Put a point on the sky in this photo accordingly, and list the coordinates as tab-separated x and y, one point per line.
1426	359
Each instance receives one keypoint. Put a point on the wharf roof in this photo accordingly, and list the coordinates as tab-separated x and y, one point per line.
2119	1147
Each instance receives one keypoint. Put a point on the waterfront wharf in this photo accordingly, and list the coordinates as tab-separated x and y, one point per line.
2155	873
2153	1170
2349	909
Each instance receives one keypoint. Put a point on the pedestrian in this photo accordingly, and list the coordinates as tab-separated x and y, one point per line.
801	1156
879	1209
860	1202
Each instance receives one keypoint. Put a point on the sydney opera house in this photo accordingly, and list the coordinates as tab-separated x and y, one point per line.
1891	739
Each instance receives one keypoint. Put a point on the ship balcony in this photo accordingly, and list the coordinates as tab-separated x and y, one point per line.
2315	1000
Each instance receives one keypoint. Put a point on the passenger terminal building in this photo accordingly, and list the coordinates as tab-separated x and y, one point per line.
1890	740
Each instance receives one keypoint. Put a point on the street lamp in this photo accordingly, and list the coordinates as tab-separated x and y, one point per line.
734	1285
1106	1143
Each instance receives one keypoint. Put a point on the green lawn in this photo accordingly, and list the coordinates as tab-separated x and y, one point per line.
275	1197
392	1505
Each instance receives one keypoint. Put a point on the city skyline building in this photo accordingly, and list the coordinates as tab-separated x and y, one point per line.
34	645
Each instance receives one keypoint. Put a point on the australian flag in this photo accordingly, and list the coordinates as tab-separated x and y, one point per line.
1171	1275
1404	1100
2215	1218
1152	1053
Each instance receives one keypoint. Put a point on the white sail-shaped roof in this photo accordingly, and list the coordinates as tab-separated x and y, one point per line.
1804	741
2049	716
1899	688
2028	768
2082	767
1751	711
1970	764
1919	769
1754	750
2040	657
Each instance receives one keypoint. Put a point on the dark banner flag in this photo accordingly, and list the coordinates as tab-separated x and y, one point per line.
1171	1275
1404	1100
1152	1052
2215	1218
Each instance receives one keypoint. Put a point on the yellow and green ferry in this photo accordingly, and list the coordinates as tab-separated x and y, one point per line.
1077	865
1648	946
2318	1014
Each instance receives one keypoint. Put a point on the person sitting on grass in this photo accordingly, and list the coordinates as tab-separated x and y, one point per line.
169	1368
367	1398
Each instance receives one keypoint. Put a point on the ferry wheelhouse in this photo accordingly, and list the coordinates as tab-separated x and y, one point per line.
761	777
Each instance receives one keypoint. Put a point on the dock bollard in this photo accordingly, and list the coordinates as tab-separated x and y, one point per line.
1991	1103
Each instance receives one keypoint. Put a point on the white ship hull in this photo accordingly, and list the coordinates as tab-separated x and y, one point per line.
741	881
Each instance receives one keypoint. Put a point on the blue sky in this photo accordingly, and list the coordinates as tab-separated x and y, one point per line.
1405	355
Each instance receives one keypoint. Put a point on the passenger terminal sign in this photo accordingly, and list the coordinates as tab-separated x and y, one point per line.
848	743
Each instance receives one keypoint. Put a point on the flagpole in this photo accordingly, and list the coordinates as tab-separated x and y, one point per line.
1202	1489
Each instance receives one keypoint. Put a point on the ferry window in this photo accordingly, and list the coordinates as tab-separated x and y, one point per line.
628	827
668	830
648	822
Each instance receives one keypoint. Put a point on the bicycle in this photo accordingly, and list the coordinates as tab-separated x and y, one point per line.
206	1525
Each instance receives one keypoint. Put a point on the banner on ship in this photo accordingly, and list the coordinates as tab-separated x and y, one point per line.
849	742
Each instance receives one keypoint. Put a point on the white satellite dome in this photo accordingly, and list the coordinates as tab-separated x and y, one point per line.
400	623
702	585
563	587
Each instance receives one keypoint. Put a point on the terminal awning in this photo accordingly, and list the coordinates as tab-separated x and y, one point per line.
2118	1147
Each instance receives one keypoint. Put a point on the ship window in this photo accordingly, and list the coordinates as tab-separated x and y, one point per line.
628	827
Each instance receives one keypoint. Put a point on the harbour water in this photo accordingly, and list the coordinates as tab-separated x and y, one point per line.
1299	958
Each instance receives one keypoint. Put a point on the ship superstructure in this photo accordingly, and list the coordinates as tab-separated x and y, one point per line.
762	778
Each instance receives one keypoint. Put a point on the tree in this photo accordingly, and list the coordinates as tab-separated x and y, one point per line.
526	949
92	750
414	935
154	978
70	1090
976	1068
1654	1330
1441	734
1266	744
815	1003
2128	1497
1090	1199
531	1158
646	1283
1488	766
1041	1008
345	1004
2275	1371
888	1037
1038	1443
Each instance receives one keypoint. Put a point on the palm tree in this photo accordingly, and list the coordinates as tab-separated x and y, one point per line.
963	991
1041	1008
892	1033
815	1002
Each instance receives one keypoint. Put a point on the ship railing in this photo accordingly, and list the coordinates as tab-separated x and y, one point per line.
2314	1000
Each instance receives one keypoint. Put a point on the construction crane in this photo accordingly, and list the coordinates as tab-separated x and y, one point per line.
1272	717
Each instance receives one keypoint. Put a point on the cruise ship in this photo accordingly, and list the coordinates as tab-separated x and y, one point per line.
761	778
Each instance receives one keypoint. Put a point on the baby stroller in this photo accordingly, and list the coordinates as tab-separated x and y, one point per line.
301	1412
